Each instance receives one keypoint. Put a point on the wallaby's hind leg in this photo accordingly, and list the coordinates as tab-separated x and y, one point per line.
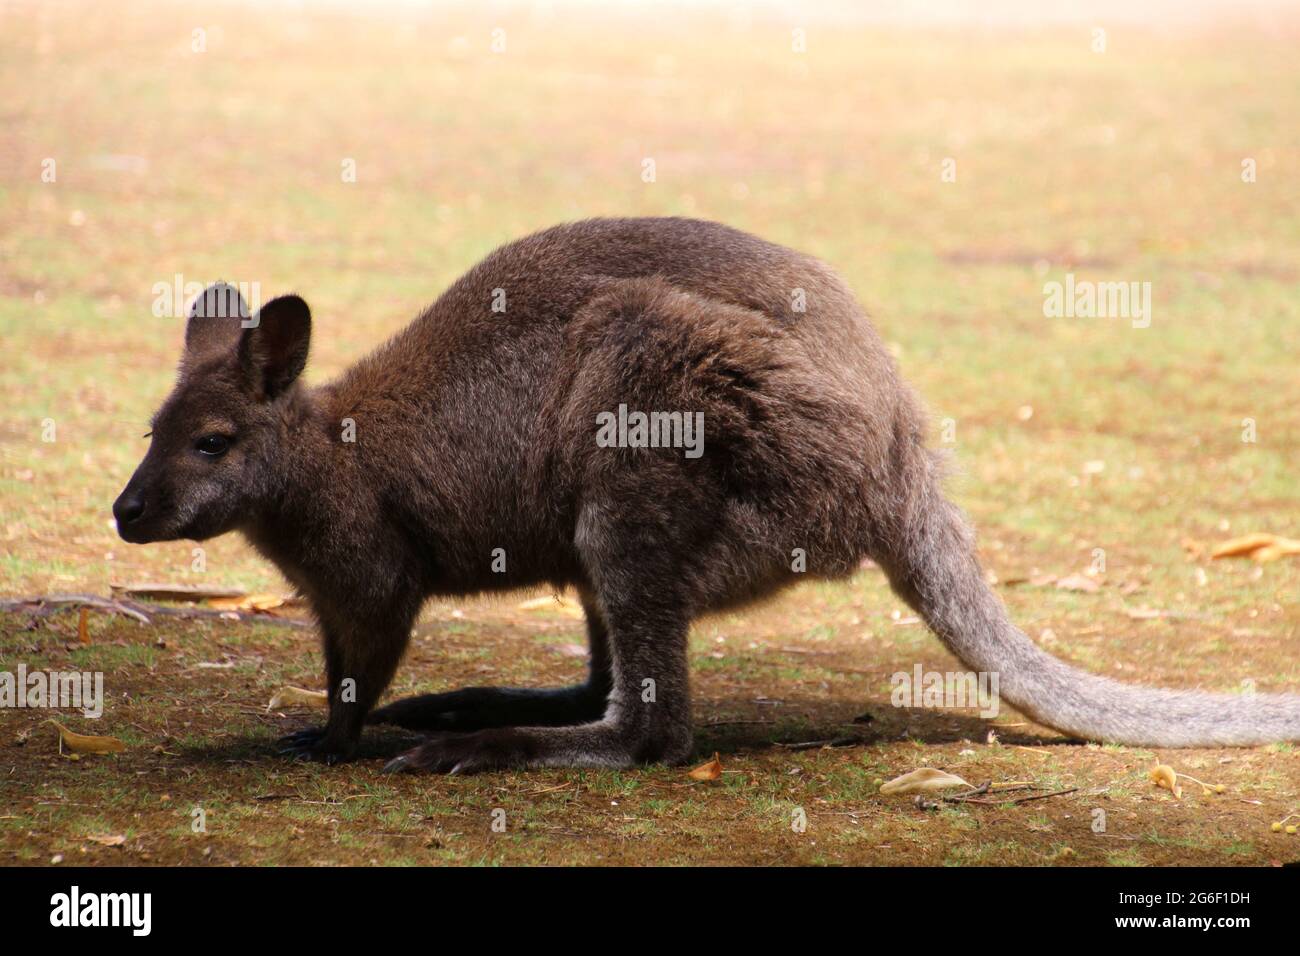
645	722
474	708
648	718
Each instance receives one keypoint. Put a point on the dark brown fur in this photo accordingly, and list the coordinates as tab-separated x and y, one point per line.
476	430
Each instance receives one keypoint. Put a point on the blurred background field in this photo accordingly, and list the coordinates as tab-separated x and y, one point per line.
1121	165
470	125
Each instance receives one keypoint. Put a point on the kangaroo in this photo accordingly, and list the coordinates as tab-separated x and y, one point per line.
477	451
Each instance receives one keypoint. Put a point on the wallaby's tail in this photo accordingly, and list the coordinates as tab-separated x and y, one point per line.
931	563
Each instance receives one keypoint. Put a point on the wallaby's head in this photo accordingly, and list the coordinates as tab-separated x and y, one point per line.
216	442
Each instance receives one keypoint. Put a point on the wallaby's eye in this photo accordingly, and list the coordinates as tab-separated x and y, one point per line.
213	445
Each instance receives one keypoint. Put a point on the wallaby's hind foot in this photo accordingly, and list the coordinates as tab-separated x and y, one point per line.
638	683
479	708
599	744
493	749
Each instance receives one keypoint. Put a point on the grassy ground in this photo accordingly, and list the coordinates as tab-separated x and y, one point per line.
1071	434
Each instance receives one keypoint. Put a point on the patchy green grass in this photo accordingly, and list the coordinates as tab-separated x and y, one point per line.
200	742
1070	435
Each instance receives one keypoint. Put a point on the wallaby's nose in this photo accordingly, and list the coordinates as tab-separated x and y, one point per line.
128	508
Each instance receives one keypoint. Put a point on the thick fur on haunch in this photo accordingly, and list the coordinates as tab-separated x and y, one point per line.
475	466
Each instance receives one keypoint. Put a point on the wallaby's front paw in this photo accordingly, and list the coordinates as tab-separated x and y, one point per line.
312	745
500	748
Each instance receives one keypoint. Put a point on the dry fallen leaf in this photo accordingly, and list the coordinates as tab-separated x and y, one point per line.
288	696
227	604
1260	546
107	839
83	744
707	771
922	781
1163	775
1235	547
249	602
1274	551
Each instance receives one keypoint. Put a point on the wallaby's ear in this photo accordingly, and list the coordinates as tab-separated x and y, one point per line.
273	351
215	320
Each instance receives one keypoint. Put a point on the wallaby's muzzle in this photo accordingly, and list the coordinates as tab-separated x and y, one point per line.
141	513
132	512
128	508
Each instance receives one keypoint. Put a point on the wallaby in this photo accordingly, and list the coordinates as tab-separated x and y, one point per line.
477	451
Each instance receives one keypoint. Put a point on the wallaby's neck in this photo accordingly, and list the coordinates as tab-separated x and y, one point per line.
305	492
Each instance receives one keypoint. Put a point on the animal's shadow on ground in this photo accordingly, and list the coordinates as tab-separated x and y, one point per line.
377	743
806	723
791	724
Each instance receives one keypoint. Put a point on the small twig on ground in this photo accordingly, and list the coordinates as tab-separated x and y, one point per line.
973	792
332	803
995	802
563	786
989	789
48	604
816	744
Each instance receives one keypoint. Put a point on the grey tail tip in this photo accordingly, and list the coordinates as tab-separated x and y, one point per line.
933	566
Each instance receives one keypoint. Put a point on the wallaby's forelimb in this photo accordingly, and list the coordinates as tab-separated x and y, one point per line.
361	656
